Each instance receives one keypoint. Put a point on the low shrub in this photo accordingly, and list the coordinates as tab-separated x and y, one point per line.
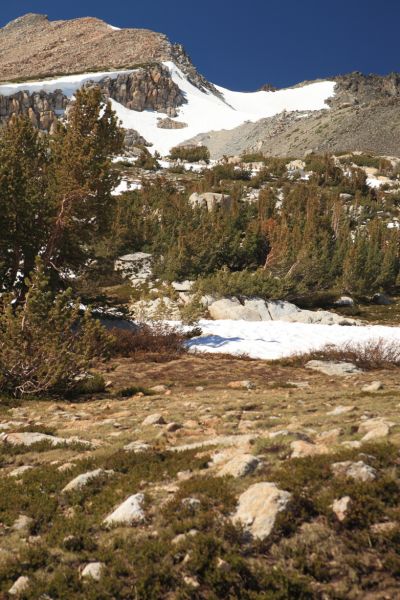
190	153
158	339
45	346
370	355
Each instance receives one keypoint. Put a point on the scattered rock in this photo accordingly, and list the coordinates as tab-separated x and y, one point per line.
329	437
301	449
159	389
171	427
210	201
352	444
191	503
137	447
375	386
340	410
81	480
239	466
245	384
20	471
258	508
29	438
341	507
20	586
156	419
359	471
191	582
333	368
374	428
383	528
129	512
23	524
93	571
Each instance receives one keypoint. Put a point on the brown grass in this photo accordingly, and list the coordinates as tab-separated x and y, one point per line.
371	355
156	343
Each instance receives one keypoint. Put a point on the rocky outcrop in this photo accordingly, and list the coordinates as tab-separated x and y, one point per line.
168	123
146	88
43	108
257	309
210	200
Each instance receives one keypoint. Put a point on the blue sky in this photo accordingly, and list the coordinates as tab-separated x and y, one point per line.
242	44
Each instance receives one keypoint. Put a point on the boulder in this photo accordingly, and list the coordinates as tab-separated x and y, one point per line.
359	471
244	384
341	507
137	446
344	301
374	428
155	419
81	480
239	466
129	512
93	571
137	267
20	471
257	309
210	201
340	410
258	508
333	368
19	586
301	449
23	524
232	309
372	387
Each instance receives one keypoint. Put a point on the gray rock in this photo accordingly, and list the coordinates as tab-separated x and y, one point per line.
129	512
372	387
137	447
359	471
333	368
20	586
30	438
20	471
155	419
81	480
258	508
240	466
93	571
23	524
210	200
341	507
340	410
137	267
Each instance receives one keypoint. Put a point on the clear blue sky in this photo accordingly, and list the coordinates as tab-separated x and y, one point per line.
242	44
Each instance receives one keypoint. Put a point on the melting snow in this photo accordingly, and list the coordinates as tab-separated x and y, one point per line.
277	339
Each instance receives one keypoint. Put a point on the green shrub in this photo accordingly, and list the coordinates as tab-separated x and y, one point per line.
45	347
190	153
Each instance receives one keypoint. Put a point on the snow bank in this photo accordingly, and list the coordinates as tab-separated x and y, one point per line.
204	111
276	339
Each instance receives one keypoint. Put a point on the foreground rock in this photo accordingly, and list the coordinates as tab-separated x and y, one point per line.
359	471
129	512
258	508
333	368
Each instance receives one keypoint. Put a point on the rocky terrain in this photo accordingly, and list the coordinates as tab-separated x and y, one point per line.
364	116
32	47
142	485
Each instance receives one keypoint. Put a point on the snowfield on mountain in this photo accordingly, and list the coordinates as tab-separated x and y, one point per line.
203	110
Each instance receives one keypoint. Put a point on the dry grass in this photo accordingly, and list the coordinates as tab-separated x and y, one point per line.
155	343
371	355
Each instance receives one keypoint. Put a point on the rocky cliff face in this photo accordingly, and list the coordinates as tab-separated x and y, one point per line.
147	88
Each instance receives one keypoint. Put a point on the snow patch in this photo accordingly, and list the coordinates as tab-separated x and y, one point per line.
277	339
